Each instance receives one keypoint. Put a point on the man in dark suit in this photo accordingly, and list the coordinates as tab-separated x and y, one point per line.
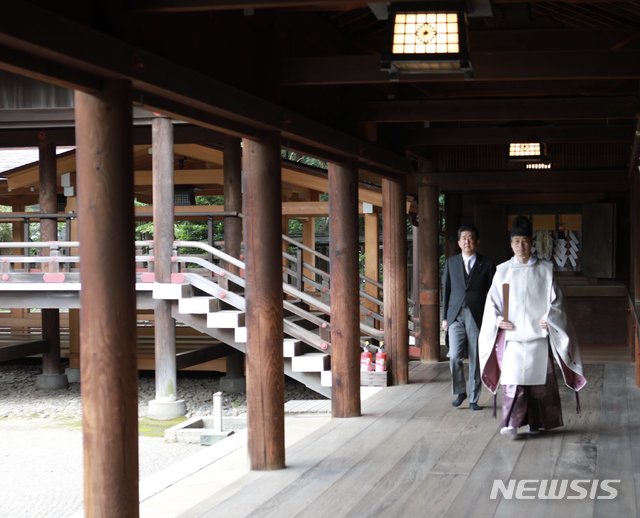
465	282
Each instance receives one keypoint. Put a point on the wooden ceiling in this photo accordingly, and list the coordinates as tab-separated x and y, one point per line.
563	72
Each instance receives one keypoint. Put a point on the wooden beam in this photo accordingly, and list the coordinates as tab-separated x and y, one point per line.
500	109
185	177
212	155
175	6
501	65
23	349
309	208
561	133
28	175
202	354
53	38
320	184
539	181
195	211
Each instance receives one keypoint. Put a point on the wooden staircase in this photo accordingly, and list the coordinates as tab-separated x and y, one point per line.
302	361
208	296
203	304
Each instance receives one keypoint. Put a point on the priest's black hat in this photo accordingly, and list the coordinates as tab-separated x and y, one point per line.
521	226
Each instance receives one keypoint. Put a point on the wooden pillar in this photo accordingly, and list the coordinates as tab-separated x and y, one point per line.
429	274
48	200
372	261
394	265
263	293
18	235
453	220
166	404
415	270
234	380
108	300
345	312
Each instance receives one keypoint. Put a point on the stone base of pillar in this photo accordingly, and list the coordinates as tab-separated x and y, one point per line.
73	375
165	409
51	381
228	384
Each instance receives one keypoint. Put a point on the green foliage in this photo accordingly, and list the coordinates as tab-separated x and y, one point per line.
292	156
187	230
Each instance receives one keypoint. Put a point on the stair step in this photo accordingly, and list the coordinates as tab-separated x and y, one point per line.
325	378
198	305
226	319
240	335
167	291
292	347
311	362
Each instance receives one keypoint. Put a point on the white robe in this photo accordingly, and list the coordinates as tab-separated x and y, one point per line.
533	296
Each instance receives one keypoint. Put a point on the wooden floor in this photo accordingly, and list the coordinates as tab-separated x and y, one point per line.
412	454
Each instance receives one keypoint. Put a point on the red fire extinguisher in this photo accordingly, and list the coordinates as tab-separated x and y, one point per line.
366	359
381	359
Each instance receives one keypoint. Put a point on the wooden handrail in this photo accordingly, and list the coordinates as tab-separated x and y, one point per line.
235	300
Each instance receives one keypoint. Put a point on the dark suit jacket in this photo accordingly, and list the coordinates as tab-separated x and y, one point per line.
472	291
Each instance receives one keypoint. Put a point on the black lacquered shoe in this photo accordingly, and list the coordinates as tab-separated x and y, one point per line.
458	401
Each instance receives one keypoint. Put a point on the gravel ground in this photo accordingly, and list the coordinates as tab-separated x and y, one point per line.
20	398
41	447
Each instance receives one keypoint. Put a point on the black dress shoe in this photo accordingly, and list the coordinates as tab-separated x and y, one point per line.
458	401
475	406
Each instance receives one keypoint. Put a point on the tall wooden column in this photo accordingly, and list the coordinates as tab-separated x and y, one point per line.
415	270
18	235
394	274
166	404
234	380
429	282
52	373
108	300
263	293
345	299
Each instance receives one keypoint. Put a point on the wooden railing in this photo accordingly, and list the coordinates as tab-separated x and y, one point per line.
219	271
371	307
205	270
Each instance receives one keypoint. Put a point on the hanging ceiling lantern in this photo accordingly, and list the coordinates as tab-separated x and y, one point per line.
424	39
527	152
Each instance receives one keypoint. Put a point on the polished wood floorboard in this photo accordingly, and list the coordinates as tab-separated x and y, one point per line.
411	454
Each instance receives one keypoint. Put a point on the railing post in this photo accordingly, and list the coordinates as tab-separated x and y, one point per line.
175	265
54	265
299	272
